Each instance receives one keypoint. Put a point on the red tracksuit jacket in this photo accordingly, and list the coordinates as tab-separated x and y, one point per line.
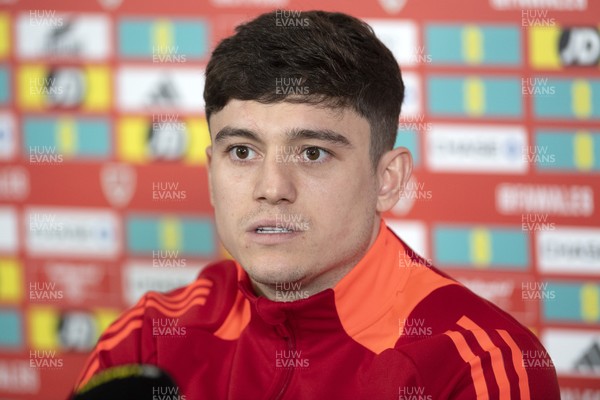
393	328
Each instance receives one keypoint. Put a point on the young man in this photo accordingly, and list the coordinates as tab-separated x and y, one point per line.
322	301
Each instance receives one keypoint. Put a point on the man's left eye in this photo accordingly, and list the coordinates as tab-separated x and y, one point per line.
314	154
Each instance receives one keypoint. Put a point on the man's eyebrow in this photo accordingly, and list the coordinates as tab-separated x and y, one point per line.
325	135
229	132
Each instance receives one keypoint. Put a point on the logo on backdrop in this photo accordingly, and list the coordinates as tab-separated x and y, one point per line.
392	6
77	331
589	361
61	40
167	138
65	87
110	4
164	94
118	183
580	46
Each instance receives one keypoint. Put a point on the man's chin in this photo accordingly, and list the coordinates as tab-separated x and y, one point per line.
274	274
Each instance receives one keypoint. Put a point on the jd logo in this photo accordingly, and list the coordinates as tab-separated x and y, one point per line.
579	46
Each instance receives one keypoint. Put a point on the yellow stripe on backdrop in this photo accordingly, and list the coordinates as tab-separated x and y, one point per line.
30	86
581	97
472	45
98	88
43	327
132	138
11	281
543	47
66	136
481	247
583	147
162	36
4	35
590	302
474	92
170	234
199	141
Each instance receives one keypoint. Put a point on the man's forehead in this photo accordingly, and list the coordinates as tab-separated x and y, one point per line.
284	118
334	138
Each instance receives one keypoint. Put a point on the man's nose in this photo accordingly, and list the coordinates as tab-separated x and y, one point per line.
275	181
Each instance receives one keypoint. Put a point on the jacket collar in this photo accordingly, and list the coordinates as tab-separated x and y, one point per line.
363	296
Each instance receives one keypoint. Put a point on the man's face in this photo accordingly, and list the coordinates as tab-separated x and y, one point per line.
293	189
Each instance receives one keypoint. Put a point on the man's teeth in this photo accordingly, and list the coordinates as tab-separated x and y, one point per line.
270	229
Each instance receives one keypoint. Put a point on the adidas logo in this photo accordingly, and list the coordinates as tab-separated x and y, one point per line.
589	362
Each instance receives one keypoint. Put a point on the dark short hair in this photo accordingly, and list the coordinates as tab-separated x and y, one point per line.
332	59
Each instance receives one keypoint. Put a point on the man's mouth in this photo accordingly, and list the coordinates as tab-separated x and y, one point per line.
269	230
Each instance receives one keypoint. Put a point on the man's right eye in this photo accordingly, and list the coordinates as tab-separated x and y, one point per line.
241	153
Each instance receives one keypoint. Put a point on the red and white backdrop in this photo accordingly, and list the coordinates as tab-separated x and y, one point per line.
103	182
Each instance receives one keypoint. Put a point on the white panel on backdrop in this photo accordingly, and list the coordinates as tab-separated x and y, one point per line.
49	34
562	200
569	250
476	148
574	352
72	232
146	89
400	36
8	229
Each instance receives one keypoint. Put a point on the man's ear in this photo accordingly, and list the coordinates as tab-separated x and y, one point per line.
209	162
393	171
208	154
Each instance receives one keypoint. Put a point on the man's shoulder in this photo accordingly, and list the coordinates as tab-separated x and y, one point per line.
454	335
453	307
204	303
443	301
453	319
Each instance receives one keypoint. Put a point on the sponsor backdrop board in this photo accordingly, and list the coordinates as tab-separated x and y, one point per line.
103	186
